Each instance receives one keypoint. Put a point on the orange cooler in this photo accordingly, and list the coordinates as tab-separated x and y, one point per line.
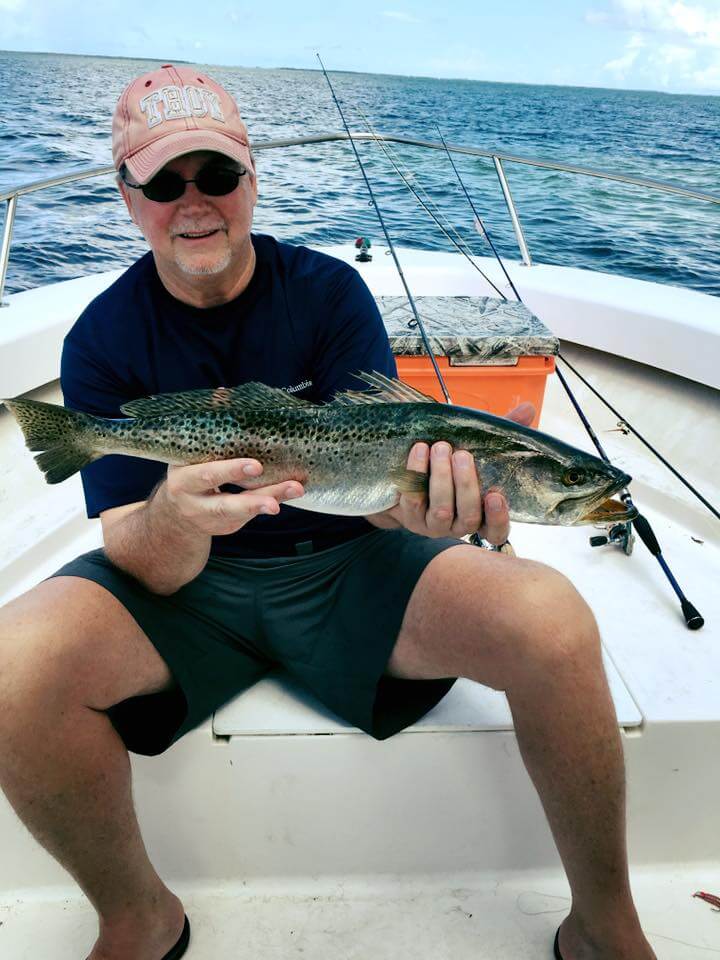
497	389
493	354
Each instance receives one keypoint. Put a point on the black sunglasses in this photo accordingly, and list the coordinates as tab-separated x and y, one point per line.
167	185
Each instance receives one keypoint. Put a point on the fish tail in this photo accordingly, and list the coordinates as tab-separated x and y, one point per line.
61	433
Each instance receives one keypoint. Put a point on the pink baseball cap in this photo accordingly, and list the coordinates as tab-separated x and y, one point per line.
171	111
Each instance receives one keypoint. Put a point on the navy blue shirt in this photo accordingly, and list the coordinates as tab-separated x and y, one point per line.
305	319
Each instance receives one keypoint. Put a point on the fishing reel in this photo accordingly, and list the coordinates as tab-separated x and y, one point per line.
620	534
477	541
363	245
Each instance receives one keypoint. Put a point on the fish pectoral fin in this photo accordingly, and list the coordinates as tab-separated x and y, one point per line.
409	481
386	390
247	395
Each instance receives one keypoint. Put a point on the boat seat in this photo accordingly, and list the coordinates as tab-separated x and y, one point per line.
278	704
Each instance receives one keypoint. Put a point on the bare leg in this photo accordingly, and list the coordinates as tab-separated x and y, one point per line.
569	740
523	628
63	766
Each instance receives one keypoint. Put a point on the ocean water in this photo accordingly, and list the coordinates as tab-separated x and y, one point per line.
55	115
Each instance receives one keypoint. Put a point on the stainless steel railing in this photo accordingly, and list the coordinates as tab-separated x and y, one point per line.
10	197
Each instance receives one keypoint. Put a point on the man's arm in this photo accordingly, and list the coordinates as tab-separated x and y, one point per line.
147	542
164	542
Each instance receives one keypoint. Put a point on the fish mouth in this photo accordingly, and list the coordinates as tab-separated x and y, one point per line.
600	508
609	511
604	509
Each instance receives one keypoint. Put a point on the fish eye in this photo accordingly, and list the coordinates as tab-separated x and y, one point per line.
573	477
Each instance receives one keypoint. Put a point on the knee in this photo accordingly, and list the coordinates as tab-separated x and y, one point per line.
556	620
26	660
42	644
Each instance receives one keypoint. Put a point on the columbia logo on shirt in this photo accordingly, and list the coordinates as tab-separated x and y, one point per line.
299	386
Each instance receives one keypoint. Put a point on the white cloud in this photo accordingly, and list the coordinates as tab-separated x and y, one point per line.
669	61
400	15
671	53
596	16
696	22
622	64
675	44
709	78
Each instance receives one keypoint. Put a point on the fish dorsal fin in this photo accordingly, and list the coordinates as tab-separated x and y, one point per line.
247	395
385	390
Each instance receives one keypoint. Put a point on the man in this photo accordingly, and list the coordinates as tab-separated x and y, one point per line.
130	648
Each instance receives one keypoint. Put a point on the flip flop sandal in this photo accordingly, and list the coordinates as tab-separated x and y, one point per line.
181	946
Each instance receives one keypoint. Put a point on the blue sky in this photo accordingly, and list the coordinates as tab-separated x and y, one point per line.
671	45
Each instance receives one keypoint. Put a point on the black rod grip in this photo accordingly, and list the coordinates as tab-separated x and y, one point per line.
692	616
646	534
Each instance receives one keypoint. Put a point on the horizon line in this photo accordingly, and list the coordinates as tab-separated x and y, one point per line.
405	76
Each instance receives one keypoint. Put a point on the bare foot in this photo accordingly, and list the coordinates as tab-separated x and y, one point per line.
575	944
142	937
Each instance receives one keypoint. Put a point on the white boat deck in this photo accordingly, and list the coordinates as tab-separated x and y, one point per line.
473	916
288	832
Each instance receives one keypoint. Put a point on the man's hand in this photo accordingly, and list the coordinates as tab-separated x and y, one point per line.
193	494
455	505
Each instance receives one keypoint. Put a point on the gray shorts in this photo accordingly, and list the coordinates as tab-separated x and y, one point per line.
331	618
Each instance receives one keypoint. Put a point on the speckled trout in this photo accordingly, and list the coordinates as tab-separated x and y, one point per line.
350	454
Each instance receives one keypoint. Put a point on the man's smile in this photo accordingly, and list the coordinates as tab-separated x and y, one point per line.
198	234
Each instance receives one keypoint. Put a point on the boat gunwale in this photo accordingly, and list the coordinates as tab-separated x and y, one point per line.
660	185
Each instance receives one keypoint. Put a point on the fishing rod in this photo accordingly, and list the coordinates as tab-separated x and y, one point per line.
586	423
503	547
478	220
429	349
642	439
389	155
621	532
693	619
